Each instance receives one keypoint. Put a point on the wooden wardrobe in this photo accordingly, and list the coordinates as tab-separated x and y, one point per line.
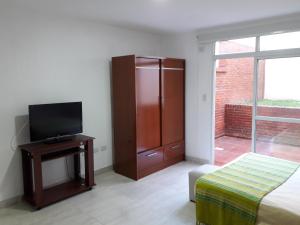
148	114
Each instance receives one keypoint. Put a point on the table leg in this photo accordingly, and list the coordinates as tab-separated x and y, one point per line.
77	166
38	180
89	164
27	174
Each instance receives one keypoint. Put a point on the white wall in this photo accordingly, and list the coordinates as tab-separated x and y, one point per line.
199	94
44	59
41	55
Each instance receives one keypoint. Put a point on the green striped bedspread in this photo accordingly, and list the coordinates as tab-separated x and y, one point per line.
232	194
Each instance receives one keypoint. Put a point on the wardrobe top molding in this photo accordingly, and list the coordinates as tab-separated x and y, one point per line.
156	63
155	57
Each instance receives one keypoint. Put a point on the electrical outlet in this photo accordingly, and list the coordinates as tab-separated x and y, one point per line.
103	148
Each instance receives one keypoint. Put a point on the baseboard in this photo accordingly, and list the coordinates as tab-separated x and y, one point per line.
10	201
103	170
15	200
196	160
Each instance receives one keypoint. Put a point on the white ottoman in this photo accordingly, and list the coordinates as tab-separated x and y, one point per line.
195	174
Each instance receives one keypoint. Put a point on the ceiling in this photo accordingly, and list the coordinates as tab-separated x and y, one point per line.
165	15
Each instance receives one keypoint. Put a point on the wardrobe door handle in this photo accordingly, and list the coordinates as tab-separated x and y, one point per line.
175	147
152	154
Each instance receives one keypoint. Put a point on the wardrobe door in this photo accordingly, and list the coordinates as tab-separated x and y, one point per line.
172	80
148	119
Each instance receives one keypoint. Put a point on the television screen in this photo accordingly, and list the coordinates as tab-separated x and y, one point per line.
54	120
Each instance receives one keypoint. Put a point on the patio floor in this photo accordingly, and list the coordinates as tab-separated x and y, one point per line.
229	148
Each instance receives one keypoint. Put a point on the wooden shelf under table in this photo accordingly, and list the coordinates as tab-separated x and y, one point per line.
67	152
63	191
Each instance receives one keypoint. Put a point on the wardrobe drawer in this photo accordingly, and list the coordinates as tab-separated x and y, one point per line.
150	161
174	150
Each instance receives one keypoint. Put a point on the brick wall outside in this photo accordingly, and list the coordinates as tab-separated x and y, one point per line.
238	122
234	80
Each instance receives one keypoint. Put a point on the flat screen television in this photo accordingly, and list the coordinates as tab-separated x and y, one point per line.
53	121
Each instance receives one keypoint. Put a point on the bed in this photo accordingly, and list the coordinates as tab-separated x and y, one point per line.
280	206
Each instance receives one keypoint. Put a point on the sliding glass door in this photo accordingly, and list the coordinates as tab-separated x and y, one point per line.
268	69
277	119
233	100
233	108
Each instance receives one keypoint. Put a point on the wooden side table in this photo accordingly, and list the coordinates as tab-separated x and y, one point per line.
35	153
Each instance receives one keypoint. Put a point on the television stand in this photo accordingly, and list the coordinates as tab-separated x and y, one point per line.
35	153
58	139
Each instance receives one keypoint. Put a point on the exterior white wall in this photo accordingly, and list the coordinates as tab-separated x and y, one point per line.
44	59
282	79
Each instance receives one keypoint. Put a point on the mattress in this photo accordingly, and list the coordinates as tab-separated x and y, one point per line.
282	205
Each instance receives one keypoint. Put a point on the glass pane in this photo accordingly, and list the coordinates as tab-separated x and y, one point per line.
278	139
278	88
280	41
235	46
233	108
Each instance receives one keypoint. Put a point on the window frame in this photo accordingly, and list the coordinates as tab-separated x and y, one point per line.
257	55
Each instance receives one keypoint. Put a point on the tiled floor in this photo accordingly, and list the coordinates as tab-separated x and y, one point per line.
159	199
228	148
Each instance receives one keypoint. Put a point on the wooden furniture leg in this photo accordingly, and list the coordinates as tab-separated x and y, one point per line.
38	180
77	166
27	174
89	164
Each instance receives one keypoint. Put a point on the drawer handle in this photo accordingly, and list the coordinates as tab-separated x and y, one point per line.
175	147
152	154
